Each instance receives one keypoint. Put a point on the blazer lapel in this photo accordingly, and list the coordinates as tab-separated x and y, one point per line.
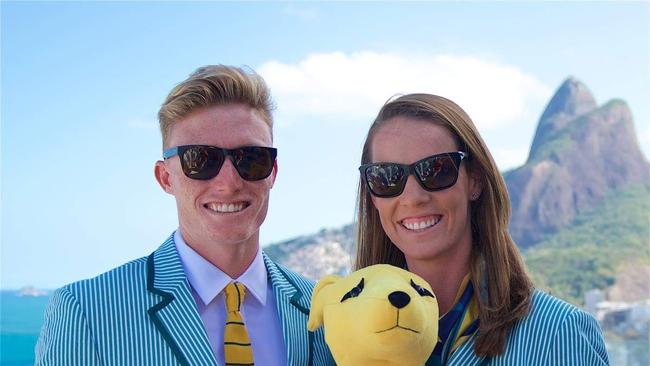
465	356
176	316
293	310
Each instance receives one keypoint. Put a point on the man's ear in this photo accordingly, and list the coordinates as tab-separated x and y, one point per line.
161	172
318	300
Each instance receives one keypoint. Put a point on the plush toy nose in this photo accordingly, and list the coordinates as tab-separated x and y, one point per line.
399	299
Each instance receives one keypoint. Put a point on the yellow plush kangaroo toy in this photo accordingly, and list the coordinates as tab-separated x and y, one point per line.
377	316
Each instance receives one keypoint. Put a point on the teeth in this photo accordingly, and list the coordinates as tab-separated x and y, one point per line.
421	224
225	207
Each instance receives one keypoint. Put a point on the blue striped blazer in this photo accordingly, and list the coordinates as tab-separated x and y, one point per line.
143	313
554	333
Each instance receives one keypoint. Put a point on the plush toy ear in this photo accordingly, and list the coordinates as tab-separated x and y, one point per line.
318	299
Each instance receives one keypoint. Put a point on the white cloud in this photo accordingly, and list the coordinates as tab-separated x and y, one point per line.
338	86
509	157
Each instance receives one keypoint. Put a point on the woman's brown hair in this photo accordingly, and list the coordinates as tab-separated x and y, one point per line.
497	269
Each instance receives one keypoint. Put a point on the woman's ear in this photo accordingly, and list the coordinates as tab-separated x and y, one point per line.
475	186
372	199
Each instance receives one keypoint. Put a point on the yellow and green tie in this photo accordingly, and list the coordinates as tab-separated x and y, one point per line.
236	343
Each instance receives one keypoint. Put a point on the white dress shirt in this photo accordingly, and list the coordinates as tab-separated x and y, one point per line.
259	309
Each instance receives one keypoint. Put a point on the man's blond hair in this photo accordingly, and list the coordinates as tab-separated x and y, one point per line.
215	85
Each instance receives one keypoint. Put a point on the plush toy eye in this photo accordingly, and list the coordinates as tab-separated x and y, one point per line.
354	292
421	290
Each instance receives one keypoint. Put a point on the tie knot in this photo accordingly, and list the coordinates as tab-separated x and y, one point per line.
235	292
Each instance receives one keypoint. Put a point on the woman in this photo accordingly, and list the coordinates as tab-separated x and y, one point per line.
432	200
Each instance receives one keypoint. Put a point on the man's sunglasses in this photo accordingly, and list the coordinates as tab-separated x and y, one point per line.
204	162
434	173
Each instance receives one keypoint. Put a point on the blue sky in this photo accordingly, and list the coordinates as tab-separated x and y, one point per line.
82	83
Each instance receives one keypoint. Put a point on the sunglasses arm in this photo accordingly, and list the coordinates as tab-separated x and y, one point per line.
170	152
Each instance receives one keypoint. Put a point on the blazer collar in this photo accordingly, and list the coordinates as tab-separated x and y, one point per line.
464	355
175	315
293	309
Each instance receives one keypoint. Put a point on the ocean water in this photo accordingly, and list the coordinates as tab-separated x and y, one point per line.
20	323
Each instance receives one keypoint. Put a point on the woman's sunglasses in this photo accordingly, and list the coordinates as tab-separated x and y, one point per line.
204	162
433	173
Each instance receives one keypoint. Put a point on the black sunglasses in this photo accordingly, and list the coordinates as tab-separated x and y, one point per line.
204	162
434	173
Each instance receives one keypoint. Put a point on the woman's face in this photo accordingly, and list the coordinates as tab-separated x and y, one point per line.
425	226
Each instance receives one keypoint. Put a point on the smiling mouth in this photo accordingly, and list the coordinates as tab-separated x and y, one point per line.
420	223
398	327
232	207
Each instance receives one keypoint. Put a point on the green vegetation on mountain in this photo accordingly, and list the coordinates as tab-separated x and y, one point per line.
588	253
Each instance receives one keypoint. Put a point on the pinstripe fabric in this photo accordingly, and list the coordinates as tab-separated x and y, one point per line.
554	333
143	313
293	297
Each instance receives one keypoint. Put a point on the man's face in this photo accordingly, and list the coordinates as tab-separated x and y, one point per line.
225	210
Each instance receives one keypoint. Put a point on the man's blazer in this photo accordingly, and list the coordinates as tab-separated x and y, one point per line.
143	313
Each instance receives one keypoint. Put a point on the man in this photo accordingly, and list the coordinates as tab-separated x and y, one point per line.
208	295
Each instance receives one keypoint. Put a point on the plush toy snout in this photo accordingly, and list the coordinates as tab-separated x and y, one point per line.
399	299
379	315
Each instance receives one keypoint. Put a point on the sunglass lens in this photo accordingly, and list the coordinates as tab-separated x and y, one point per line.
385	180
438	172
254	163
201	162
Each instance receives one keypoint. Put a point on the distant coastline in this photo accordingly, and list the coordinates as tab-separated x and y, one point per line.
31	291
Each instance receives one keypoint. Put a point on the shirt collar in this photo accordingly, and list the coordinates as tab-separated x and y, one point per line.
208	280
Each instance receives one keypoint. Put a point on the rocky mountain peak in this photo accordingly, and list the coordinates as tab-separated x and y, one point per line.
581	154
571	100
